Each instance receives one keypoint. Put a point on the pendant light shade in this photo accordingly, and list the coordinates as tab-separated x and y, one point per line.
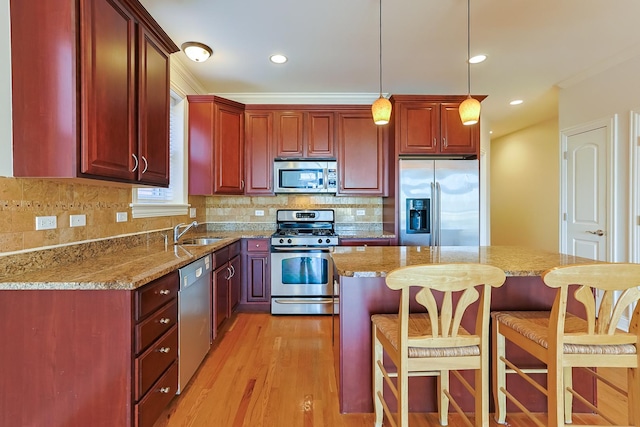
381	108
469	108
469	111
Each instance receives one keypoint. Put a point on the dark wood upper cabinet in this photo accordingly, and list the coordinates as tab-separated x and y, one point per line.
94	101
431	125
362	154
216	145
304	134
259	152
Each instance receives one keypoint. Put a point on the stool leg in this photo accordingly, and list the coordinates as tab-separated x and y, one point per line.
568	397
377	379
443	400
481	387
555	390
633	384
499	374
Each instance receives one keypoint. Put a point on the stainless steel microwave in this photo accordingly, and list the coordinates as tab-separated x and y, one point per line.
305	176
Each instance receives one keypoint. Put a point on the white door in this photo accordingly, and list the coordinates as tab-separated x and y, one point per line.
585	193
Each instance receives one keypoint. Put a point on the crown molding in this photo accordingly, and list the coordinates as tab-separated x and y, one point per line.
182	78
303	98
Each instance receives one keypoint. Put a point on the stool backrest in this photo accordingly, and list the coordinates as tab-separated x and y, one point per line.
465	278
620	286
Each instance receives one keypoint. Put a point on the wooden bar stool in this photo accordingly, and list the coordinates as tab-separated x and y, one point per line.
434	343
563	341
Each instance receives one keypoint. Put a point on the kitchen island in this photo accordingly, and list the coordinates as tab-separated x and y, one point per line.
359	274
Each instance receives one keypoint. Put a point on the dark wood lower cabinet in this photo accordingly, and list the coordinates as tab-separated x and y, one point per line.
226	283
256	277
82	357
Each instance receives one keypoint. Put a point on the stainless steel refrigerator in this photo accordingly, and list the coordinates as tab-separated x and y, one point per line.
439	202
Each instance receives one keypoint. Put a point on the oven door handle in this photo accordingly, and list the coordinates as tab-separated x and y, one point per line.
301	249
304	301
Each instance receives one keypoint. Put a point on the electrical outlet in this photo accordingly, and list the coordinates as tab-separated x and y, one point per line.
121	216
77	220
360	212
46	222
192	212
259	213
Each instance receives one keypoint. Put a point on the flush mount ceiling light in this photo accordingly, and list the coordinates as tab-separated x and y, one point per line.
469	108
477	59
381	108
197	52
278	59
516	102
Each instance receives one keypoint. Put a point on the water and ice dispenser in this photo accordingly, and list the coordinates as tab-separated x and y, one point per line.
418	216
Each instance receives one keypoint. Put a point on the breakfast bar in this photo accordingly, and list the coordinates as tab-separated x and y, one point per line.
360	290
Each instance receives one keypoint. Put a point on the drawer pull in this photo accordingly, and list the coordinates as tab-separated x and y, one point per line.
165	320
165	389
165	292
164	349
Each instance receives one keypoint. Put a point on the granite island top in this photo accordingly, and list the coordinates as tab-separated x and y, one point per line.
377	261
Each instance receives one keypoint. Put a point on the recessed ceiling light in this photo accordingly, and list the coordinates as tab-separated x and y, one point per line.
477	59
278	59
516	102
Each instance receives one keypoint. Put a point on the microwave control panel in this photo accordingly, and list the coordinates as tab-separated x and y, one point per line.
332	179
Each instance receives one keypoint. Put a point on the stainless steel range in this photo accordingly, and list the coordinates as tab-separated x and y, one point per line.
301	267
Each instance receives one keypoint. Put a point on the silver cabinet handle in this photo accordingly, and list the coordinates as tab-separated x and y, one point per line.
164	292
165	320
229	276
444	142
164	349
597	232
165	390
233	271
136	166
146	164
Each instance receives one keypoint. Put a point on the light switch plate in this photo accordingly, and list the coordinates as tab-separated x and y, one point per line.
360	212
121	216
192	212
77	220
259	212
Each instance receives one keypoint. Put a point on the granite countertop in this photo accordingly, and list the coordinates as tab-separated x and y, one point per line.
377	261
125	268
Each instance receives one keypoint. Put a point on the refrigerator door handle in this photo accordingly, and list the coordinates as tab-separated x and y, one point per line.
438	198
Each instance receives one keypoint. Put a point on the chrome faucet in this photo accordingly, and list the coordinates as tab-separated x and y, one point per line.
176	230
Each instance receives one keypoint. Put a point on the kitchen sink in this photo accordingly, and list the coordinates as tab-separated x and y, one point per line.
200	241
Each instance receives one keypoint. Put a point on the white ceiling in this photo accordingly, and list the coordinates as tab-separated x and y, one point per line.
532	46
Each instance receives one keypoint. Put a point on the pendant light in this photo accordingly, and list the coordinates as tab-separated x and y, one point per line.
469	108
381	108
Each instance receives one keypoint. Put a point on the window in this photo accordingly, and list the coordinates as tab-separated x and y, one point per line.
155	201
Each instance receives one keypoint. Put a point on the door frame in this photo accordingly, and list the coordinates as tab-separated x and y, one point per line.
611	125
634	185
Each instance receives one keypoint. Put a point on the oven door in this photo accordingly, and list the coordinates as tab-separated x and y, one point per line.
301	281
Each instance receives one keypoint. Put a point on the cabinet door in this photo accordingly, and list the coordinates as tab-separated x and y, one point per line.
457	138
153	110
289	133
229	150
234	283
259	152
220	296
201	164
257	280
418	128
320	135
109	139
362	157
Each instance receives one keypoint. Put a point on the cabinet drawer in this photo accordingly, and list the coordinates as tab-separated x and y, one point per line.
257	245
234	249
155	294
161	393
153	362
157	324
221	256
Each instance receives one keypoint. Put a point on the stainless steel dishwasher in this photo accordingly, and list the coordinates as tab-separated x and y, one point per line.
194	318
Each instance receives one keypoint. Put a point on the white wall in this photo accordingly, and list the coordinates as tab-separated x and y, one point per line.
6	162
614	91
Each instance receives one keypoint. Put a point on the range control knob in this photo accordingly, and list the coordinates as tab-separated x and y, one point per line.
289	241
319	240
328	241
281	240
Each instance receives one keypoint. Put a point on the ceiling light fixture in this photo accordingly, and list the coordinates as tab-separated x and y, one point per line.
381	108
278	59
477	59
516	102
197	52
469	108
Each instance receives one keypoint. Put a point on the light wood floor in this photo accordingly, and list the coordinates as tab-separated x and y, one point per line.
273	371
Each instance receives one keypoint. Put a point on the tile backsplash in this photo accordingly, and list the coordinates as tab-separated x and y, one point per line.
22	199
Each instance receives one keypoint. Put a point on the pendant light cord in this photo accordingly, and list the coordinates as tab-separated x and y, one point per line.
380	45
468	47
